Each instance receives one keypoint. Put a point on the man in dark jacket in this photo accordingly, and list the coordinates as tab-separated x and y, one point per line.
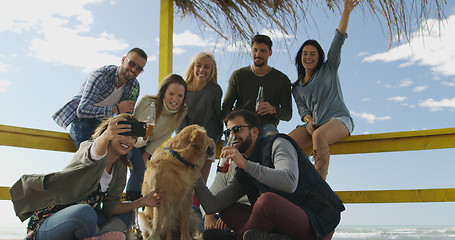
288	197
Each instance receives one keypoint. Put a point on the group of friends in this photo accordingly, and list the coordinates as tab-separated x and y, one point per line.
271	191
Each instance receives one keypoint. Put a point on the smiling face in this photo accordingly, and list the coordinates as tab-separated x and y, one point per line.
121	144
260	53
173	97
245	138
132	66
202	69
310	57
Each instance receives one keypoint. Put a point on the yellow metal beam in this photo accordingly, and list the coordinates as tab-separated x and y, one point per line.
166	31
398	196
396	141
34	138
379	196
4	193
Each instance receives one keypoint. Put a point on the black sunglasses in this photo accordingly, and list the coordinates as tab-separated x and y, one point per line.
235	129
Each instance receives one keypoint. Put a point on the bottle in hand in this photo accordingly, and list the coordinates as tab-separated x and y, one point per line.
260	97
223	164
151	120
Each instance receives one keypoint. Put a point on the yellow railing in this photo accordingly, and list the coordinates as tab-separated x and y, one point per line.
367	143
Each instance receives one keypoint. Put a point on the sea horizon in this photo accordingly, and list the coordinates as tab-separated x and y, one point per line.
342	232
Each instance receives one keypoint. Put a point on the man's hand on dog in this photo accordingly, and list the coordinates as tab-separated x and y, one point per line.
235	155
153	199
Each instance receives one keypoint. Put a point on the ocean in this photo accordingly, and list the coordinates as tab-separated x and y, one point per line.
394	232
16	232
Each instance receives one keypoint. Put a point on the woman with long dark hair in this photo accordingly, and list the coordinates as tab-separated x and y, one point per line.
317	93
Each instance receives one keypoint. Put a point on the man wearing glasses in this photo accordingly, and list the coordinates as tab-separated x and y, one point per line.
289	199
107	91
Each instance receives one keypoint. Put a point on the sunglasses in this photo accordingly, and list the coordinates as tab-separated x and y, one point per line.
235	129
132	64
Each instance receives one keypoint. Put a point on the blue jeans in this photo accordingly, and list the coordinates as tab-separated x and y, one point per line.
82	129
200	224
137	173
75	222
267	129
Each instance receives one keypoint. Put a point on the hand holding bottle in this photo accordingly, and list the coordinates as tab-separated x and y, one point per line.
223	164
151	120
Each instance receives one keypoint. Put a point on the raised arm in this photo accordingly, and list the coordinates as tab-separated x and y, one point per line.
349	5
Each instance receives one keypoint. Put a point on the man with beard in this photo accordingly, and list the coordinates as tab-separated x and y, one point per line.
107	91
289	199
244	85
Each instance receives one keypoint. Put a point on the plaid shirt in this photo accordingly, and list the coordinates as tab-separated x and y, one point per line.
97	87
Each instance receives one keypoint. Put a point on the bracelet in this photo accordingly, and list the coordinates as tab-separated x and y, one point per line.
118	110
307	119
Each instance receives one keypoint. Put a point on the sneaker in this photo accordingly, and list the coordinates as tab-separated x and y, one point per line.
108	236
218	234
256	234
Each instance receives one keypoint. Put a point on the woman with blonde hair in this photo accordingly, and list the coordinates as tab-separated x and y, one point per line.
204	105
83	200
170	109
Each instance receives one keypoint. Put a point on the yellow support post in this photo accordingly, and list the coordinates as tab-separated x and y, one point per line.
166	31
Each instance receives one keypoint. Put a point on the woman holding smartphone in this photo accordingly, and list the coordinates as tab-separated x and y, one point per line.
83	200
169	111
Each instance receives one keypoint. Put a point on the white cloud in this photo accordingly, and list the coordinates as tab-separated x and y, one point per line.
403	83
3	67
429	47
276	34
61	32
365	99
397	99
406	83
449	84
361	54
420	88
4	84
188	38
370	118
434	105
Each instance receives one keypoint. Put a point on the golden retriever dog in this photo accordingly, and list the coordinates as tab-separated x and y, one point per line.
174	170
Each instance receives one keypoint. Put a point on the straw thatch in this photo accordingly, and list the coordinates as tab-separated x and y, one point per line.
239	18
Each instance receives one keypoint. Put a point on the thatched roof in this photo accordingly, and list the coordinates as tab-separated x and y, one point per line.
239	19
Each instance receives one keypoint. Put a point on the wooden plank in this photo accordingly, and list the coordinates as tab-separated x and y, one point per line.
166	34
398	196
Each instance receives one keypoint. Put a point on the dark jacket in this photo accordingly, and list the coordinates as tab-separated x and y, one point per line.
313	194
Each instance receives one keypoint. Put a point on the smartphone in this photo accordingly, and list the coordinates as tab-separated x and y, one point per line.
137	128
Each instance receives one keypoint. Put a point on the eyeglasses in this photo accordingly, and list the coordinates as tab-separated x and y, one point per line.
235	129
132	64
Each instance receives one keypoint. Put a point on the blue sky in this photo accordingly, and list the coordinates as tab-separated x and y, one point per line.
48	47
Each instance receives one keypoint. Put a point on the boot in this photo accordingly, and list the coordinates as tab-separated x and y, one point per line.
321	161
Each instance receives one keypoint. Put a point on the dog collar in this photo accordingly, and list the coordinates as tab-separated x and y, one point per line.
180	158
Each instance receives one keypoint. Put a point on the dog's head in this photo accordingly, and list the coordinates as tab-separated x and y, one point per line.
193	144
